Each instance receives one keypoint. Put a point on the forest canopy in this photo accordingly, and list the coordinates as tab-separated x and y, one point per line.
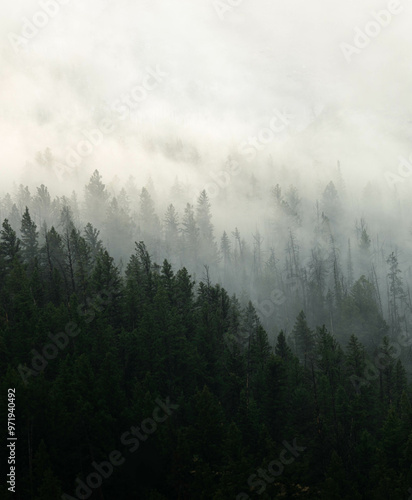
251	371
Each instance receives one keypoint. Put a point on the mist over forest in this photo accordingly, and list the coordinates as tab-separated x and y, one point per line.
205	231
270	244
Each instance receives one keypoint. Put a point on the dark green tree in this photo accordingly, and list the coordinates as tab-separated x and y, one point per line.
304	339
29	238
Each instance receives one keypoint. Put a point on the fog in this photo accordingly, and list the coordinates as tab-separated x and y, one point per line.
206	205
226	70
233	100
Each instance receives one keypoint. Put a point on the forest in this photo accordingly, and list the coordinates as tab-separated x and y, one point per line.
272	362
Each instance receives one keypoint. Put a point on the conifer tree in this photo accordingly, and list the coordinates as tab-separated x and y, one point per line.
190	232
304	339
282	349
42	205
29	238
9	242
172	230
149	221
396	293
91	236
225	248
207	243
96	197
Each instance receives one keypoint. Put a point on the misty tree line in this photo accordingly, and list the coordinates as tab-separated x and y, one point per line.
241	394
340	277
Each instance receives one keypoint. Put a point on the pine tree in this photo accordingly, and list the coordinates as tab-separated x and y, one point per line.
282	349
387	377
118	229
149	221
239	244
91	236
260	349
9	242
67	225
364	240
96	197
73	203
331	203
317	284
396	293
82	262
225	249
304	339
29	238
204	218
42	205
208	247
329	357
53	257
171	230
106	286
355	357
190	232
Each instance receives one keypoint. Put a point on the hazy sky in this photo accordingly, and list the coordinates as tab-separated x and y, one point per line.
224	74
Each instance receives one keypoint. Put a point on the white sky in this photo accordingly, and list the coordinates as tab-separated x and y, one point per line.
224	79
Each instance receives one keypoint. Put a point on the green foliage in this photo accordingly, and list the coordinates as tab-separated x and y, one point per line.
128	337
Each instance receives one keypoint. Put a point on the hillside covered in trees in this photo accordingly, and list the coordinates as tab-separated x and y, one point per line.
155	359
